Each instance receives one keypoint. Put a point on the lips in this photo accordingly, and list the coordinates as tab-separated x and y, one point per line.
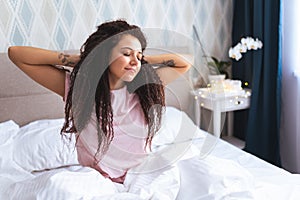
130	69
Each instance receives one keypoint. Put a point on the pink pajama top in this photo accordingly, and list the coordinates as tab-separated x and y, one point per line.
127	148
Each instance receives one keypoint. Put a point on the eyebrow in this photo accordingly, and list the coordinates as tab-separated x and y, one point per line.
131	49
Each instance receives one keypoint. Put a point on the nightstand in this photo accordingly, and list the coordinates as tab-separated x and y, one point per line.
219	102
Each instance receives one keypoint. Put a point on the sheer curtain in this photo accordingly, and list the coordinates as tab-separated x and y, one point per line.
290	117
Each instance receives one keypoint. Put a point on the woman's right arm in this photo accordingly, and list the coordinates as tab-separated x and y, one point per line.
38	64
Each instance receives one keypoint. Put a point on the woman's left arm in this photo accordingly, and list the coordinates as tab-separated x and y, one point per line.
168	74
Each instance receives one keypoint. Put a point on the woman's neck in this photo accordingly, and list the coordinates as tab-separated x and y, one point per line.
117	85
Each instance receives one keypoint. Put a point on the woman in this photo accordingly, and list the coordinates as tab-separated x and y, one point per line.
114	95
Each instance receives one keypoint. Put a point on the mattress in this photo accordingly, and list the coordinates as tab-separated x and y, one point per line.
186	163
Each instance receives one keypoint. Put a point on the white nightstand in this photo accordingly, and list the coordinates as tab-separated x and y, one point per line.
219	102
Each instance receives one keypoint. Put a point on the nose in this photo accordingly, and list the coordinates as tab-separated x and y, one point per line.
133	59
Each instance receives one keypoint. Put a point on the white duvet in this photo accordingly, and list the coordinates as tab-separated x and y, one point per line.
187	163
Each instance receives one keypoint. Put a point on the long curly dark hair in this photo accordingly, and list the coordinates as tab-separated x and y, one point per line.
89	86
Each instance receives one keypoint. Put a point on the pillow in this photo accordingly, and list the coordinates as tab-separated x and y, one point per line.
39	146
8	130
174	139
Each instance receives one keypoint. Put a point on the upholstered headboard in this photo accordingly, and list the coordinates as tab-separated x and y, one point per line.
23	100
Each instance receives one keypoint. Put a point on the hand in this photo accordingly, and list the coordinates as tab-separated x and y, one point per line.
69	60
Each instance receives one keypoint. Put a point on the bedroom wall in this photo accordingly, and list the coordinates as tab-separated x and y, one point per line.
61	25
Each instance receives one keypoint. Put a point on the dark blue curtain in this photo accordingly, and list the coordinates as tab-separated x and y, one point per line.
262	69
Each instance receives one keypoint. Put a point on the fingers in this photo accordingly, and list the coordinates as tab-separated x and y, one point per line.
69	60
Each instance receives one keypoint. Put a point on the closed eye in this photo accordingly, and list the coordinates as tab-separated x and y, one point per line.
126	54
139	55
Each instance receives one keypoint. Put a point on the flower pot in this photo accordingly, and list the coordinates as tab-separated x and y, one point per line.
216	83
216	78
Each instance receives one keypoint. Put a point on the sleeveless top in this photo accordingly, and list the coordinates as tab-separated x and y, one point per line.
127	149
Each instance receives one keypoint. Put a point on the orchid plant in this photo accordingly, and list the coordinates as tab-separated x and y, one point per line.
243	46
219	66
248	43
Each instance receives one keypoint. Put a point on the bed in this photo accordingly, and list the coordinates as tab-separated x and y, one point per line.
186	162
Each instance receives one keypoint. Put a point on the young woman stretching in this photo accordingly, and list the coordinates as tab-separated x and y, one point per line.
114	96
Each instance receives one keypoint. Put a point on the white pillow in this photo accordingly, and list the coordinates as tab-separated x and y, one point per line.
39	146
8	130
174	140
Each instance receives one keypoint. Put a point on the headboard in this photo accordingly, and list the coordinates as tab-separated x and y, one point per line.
22	99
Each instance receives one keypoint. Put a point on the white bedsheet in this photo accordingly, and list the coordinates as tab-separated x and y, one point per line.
187	163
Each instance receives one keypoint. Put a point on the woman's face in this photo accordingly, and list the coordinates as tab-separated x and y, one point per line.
125	61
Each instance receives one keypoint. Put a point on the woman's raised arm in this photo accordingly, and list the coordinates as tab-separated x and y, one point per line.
169	74
39	64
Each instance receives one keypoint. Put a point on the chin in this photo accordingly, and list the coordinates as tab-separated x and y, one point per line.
128	79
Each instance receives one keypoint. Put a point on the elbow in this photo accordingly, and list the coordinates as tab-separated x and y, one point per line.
186	67
186	62
12	53
189	61
9	51
183	68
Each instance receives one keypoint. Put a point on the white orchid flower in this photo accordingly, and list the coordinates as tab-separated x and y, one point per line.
235	53
244	41
243	48
230	53
238	56
259	43
251	44
247	43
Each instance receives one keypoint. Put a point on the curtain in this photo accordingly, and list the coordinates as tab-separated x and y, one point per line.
262	69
